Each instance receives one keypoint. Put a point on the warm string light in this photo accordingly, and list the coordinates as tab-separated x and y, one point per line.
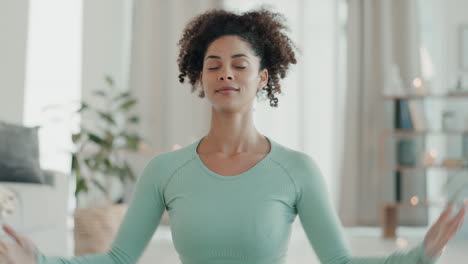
418	86
414	200
417	83
429	158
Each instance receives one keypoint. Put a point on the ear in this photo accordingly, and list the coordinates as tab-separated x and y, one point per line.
263	78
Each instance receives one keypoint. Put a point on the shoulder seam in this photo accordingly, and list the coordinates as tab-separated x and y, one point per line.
172	176
291	178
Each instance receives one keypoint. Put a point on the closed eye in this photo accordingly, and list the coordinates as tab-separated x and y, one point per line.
238	67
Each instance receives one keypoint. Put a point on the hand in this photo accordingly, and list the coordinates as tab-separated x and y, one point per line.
21	251
442	231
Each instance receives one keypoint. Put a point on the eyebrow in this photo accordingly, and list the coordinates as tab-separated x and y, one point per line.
233	56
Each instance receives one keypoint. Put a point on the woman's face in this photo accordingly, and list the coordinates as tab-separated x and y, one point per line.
230	77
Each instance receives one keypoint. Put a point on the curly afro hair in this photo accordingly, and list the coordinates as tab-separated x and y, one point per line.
262	29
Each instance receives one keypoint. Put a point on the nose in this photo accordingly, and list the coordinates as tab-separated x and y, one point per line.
225	75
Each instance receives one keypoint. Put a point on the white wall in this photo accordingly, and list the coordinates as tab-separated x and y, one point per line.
13	32
106	40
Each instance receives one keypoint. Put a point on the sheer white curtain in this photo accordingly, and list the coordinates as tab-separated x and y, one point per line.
380	33
171	114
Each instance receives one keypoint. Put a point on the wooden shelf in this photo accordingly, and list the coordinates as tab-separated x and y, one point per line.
420	97
412	168
410	205
402	132
389	215
389	211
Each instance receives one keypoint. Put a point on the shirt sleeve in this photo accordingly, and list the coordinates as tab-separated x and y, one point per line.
323	228
138	226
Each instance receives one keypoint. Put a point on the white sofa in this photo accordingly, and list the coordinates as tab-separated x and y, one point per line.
41	212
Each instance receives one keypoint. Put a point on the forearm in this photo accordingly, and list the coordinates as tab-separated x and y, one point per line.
114	256
416	255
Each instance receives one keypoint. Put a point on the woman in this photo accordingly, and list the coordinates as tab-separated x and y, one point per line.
233	194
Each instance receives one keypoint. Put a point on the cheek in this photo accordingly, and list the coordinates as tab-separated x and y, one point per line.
210	75
206	77
251	79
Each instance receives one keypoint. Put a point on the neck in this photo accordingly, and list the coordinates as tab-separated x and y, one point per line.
232	133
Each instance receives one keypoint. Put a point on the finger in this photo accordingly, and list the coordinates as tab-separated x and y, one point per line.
13	234
438	228
453	225
3	249
445	214
457	222
458	217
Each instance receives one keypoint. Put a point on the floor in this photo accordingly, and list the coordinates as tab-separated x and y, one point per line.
364	241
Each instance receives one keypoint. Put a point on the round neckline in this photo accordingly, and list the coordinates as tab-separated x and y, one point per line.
237	176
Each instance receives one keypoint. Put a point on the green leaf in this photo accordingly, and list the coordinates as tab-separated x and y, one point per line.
122	96
76	137
133	141
83	107
121	174
74	163
108	165
96	139
109	80
100	93
128	104
81	185
107	117
90	162
99	185
134	119
129	172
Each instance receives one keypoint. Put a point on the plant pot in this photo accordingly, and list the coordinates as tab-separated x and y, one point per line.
96	228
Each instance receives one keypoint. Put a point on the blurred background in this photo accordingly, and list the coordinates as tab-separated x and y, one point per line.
379	98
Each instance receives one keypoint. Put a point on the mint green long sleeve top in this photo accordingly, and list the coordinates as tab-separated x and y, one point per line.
241	219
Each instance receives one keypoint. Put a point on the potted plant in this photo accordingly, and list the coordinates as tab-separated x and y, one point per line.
99	167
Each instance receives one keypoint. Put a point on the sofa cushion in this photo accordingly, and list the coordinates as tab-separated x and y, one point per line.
19	154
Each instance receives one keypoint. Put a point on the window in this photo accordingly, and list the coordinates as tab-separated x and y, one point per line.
53	76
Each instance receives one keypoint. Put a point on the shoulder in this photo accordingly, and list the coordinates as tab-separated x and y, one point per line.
162	166
302	169
294	161
172	158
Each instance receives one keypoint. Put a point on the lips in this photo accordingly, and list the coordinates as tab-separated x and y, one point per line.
227	88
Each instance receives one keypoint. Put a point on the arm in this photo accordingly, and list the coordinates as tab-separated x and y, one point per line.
137	228
324	230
